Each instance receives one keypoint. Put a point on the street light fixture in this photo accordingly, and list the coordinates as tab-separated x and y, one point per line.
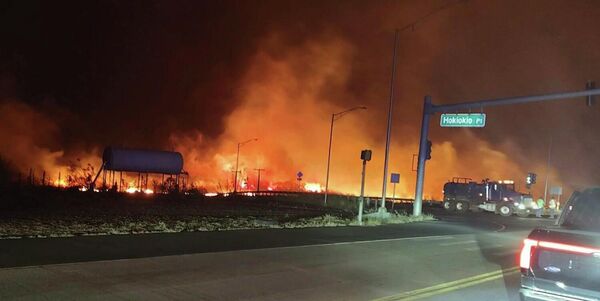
335	117
237	161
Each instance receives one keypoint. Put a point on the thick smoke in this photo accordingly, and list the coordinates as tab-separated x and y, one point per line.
29	140
182	76
286	103
25	133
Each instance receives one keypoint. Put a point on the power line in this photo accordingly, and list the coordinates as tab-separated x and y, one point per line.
421	19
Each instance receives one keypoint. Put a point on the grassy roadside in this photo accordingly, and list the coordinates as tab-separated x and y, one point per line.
32	228
41	215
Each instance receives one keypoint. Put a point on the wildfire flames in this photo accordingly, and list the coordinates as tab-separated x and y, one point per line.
284	107
285	94
313	187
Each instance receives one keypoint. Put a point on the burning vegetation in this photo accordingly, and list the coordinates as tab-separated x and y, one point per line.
200	90
284	101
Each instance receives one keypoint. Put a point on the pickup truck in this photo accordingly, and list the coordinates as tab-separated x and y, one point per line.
562	262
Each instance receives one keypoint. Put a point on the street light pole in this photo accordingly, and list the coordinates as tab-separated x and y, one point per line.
328	158
237	161
388	134
334	117
547	170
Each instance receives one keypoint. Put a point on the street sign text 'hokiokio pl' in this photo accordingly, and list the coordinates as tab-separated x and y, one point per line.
471	120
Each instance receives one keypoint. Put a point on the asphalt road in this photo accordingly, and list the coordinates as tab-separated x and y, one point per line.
460	257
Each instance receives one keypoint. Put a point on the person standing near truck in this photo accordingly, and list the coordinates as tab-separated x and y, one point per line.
540	204
552	207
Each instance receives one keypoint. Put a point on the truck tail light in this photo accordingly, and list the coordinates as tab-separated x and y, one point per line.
529	246
526	252
568	248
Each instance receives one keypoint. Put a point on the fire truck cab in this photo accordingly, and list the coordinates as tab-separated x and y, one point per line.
500	197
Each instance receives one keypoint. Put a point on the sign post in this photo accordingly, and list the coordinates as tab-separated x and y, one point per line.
394	179
365	156
299	176
556	191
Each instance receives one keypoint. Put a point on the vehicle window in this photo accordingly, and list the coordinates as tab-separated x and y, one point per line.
583	211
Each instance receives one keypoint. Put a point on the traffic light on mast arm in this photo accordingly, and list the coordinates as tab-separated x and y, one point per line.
428	151
531	178
591	99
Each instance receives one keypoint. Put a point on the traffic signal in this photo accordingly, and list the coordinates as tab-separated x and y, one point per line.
531	179
590	98
428	151
365	155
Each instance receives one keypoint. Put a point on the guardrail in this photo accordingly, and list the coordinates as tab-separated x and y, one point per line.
396	200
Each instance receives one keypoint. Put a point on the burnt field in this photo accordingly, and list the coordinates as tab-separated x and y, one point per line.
49	212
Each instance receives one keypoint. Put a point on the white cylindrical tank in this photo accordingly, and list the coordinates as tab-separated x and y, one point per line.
144	161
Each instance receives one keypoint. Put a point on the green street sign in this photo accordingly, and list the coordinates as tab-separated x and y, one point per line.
472	120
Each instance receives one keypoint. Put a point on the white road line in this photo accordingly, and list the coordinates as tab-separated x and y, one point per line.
446	244
436	237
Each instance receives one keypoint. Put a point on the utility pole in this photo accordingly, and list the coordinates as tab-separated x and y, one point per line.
258	179
237	161
388	134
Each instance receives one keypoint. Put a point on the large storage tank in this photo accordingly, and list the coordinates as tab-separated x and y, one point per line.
144	161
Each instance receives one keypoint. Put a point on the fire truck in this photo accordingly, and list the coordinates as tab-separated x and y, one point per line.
500	197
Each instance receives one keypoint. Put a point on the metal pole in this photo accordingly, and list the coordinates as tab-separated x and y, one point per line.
258	179
389	125
547	169
417	206
237	160
362	193
328	160
512	100
394	197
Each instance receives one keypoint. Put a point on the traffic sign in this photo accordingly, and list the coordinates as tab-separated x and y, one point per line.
395	178
471	120
556	190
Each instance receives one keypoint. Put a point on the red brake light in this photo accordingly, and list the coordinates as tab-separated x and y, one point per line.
528	245
568	248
